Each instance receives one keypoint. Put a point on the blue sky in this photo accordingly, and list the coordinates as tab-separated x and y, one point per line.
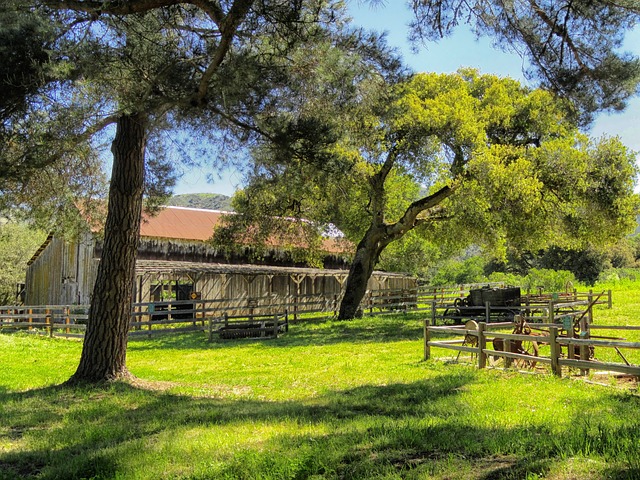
447	55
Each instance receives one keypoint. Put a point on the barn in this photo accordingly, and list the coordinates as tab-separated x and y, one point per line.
176	262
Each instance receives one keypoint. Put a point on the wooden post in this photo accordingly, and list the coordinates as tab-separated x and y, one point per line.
433	312
570	348
211	329
555	351
30	318
609	301
508	362
335	306
590	309
427	338
297	300
551	314
584	349
49	322
67	320
482	345
487	313
275	325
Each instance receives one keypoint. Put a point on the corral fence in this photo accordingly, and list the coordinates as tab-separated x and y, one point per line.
565	326
205	315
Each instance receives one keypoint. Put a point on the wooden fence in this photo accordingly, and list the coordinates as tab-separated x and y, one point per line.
554	328
194	315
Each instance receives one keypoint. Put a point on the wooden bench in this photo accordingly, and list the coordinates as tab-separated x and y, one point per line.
250	326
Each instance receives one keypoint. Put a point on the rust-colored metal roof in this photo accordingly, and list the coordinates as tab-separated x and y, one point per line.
181	223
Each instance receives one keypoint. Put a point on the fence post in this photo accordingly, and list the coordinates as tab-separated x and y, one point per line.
508	362
584	349
211	329
67	320
609	303
49	322
487	313
482	345
571	348
275	325
335	306
427	338
433	312
551	313
555	351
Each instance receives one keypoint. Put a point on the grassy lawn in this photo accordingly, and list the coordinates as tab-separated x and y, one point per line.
327	400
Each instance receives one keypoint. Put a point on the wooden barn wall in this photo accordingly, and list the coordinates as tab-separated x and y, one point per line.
265	289
63	274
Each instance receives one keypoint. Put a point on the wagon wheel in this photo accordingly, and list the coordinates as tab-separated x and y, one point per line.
527	347
469	339
455	313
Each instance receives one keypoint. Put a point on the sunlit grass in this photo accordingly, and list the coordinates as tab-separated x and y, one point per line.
327	400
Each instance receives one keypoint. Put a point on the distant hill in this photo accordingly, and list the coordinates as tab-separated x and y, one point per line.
207	201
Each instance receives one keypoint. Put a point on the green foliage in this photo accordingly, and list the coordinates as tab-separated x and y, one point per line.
572	48
18	243
521	174
458	272
549	280
411	254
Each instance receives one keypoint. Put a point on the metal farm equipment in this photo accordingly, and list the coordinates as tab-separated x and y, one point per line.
500	304
529	317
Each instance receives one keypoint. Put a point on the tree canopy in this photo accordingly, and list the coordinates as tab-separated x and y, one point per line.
573	48
461	158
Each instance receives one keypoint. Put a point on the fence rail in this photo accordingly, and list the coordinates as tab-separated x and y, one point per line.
474	340
192	315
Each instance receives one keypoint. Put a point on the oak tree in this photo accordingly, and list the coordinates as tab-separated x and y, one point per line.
459	158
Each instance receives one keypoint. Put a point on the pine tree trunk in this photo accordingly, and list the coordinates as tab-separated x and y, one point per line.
105	344
359	275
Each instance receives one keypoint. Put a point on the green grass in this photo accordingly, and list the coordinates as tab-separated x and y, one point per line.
335	400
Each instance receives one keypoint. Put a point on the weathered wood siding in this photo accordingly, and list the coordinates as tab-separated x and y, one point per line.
63	274
270	287
65	271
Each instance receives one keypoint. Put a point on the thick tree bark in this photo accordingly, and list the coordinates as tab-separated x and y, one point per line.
379	235
105	344
364	261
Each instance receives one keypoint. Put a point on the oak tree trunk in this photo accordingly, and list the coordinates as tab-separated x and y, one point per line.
360	272
105	344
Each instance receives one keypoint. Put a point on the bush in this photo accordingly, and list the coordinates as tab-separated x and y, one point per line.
549	280
458	272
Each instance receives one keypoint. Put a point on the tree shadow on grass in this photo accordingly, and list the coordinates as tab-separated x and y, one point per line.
403	430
